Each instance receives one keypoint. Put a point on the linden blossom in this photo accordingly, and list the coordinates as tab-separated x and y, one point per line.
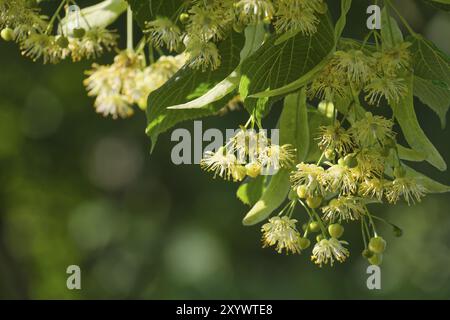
187	310
182	151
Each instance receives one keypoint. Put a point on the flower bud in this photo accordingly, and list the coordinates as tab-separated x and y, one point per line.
330	154
79	33
376	259
184	18
367	253
398	232
350	161
377	245
302	191
62	42
314	226
336	230
304	243
314	202
7	34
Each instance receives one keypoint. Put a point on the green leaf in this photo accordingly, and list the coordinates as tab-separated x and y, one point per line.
148	10
251	190
272	198
390	31
406	116
430	63
432	76
254	36
293	130
342	21
440	4
275	65
188	84
434	96
295	116
100	15
221	90
259	107
410	154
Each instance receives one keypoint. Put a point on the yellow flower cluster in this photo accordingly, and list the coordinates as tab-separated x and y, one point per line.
378	74
127	81
359	164
207	22
248	153
32	31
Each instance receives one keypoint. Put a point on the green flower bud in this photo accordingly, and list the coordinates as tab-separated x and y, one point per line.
376	259
398	232
184	18
319	237
367	253
79	32
62	42
350	161
7	34
330	154
302	191
314	202
304	243
377	245
336	230
314	226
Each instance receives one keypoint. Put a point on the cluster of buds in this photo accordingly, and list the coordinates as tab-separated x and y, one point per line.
23	23
379	74
359	165
248	153
203	23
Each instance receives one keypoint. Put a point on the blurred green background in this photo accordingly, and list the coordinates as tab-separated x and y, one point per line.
76	188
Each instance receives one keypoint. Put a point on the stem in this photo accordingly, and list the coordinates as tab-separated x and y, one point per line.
385	221
141	45
366	227
250	120
52	20
311	218
322	227
305	234
377	38
403	20
363	233
321	157
390	26
129	29
366	39
372	224
151	55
